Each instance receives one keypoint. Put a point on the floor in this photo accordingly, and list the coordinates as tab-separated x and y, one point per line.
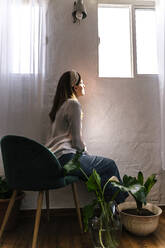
63	232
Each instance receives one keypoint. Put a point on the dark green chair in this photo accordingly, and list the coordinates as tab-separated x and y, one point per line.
30	166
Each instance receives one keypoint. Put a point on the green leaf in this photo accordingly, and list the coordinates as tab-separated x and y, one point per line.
5	190
111	179
137	190
77	156
150	183
131	188
91	183
88	212
128	180
140	178
97	178
70	166
73	164
140	196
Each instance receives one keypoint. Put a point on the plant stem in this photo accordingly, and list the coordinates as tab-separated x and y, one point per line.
84	174
100	234
105	226
115	195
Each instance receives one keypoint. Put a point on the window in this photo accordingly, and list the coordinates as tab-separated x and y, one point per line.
121	52
115	46
146	41
24	23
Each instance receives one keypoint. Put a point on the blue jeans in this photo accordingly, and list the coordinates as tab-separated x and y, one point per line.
104	166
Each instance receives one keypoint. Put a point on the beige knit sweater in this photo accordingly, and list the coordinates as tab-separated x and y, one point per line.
66	130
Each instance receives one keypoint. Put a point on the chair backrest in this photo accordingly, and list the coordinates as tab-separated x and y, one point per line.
28	165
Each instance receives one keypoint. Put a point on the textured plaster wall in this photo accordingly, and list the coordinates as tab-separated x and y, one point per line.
121	116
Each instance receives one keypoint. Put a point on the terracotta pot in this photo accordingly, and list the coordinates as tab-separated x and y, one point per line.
140	225
12	221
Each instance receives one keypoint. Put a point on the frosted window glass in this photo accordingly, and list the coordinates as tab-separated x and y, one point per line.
115	45
146	41
24	29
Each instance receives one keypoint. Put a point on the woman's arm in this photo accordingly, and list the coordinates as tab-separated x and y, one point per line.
74	118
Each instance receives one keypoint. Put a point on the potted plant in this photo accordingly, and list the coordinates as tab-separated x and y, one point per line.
139	217
102	217
5	194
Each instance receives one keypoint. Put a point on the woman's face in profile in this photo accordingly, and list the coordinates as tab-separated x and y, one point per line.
80	89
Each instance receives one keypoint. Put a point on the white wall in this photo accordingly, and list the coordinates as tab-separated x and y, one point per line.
121	116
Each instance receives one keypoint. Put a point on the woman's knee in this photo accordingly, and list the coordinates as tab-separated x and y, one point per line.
112	169
111	164
103	165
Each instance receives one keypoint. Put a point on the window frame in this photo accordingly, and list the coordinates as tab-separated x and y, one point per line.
133	5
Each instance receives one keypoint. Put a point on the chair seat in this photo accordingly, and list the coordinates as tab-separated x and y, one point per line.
49	185
64	181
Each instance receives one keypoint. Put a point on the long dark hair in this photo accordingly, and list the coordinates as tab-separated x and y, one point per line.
64	91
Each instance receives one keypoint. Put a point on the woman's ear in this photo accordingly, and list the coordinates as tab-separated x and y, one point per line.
75	87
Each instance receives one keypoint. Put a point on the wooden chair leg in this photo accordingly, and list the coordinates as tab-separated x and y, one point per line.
75	196
47	204
37	218
8	211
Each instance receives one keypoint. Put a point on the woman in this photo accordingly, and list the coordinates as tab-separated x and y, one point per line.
66	135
